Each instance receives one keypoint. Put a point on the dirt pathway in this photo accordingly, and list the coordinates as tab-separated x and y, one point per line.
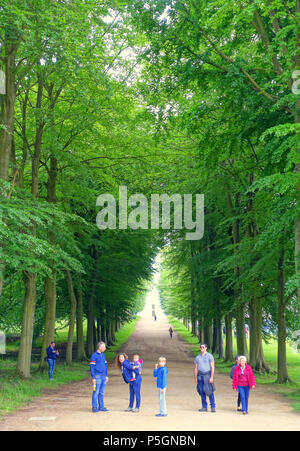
69	407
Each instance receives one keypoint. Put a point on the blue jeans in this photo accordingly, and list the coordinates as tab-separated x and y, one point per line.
98	394
200	390
244	395
162	401
135	392
51	365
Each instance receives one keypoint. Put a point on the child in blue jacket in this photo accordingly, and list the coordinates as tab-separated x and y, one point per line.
160	372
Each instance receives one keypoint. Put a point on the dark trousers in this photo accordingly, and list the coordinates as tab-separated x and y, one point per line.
200	390
135	392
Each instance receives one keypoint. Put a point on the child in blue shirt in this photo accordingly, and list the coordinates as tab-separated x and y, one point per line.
160	372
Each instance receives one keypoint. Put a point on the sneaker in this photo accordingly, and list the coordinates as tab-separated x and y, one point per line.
135	410
213	409
95	411
129	409
203	409
164	415
158	415
103	409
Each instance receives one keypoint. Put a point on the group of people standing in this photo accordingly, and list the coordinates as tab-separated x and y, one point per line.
131	372
242	376
242	380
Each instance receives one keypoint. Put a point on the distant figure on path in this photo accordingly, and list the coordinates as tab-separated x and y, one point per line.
52	353
155	317
231	375
98	366
160	372
243	381
171	331
126	367
204	377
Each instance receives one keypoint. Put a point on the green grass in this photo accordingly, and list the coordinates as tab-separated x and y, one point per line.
291	390
16	392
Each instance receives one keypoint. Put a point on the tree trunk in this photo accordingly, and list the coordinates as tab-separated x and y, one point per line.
24	355
73	304
193	293
215	343
7	121
90	325
208	336
98	330
103	331
220	339
80	353
30	278
50	315
112	331
50	281
240	331
240	314
90	336
108	332
282	372
229	343
297	168
257	360
200	330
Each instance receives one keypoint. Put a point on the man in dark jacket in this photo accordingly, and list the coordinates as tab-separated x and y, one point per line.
98	366
52	353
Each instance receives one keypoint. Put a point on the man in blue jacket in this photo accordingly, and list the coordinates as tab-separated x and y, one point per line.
52	353
98	365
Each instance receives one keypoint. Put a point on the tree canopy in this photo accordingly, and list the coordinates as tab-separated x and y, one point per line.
163	97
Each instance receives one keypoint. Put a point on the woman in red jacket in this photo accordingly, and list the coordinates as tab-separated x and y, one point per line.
243	380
